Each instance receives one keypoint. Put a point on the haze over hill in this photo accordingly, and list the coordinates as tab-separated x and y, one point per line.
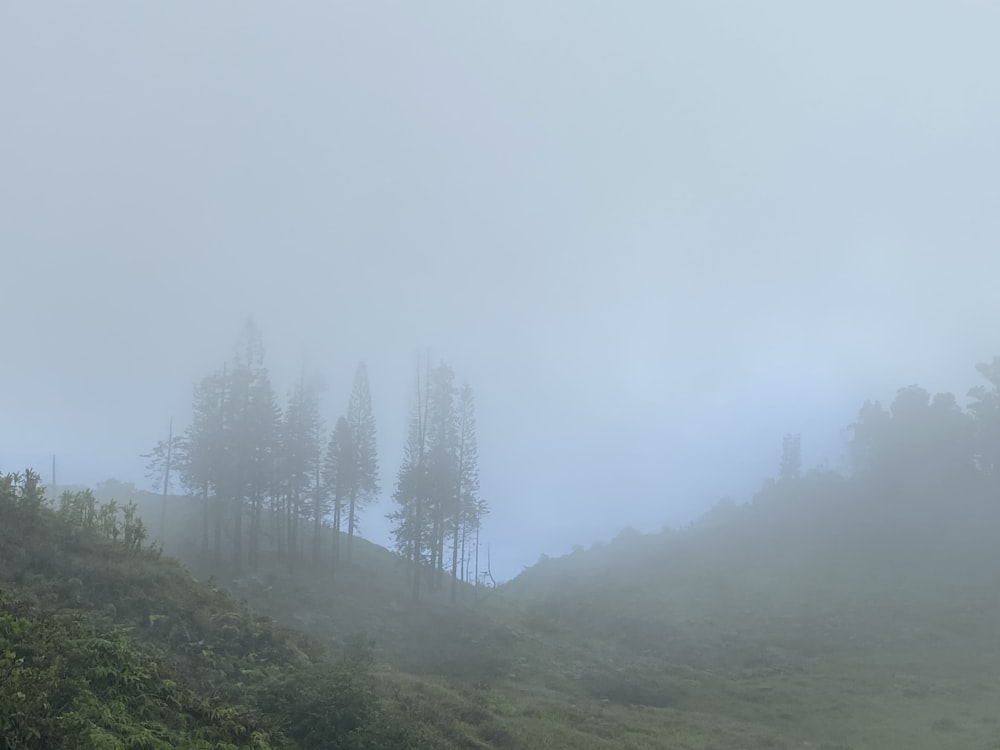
839	611
654	239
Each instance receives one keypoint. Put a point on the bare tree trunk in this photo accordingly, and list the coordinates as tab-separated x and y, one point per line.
338	510
317	516
166	480
417	561
204	521
465	529
238	532
254	549
350	522
217	528
454	561
276	526
477	553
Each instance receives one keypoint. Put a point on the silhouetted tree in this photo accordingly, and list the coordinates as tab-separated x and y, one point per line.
338	475
437	487
363	479
916	445
256	423
202	456
791	458
985	410
160	461
442	464
468	513
412	491
228	452
300	460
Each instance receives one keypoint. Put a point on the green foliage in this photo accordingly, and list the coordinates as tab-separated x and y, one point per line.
325	705
22	496
65	683
80	514
103	644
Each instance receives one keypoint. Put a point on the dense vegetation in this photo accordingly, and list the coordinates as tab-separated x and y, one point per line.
104	644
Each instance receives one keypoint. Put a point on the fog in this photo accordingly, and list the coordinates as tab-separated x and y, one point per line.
653	238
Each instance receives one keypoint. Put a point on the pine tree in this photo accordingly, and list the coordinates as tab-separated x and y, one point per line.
258	424
300	461
412	491
791	457
227	453
201	454
409	518
160	462
442	465
338	475
363	480
468	506
437	487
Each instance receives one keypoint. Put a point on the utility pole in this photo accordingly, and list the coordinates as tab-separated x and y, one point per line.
53	476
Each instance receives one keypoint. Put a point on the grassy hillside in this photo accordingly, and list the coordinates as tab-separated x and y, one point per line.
828	613
826	610
107	645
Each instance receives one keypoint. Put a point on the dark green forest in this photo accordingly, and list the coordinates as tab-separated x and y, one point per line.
834	609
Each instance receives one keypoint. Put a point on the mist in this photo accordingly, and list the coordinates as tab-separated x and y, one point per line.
654	239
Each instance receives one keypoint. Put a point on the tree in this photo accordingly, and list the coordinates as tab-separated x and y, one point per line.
442	464
160	461
201	455
363	479
791	458
339	468
469	508
300	460
917	444
228	452
412	490
437	487
985	410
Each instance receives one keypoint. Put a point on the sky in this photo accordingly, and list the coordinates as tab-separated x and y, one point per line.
654	237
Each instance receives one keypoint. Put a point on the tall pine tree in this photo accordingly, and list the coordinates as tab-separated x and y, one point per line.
363	480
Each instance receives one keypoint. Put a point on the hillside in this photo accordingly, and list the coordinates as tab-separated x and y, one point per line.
832	611
858	611
771	624
105	643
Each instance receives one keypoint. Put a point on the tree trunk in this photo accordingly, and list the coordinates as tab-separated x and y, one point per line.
417	532
454	562
217	529
204	522
350	523
237	533
337	513
255	530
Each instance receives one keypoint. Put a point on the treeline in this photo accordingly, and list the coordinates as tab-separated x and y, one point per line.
925	441
273	481
920	485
